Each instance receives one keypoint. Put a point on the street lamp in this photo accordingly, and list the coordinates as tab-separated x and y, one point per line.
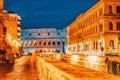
9	39
63	46
119	43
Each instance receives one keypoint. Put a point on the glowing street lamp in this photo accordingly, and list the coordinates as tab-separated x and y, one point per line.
9	39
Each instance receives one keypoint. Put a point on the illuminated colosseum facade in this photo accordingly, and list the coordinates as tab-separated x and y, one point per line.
97	30
43	40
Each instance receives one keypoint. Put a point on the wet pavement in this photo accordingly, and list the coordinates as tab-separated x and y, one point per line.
22	69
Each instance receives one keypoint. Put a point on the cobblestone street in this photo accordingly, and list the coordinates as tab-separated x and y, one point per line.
23	69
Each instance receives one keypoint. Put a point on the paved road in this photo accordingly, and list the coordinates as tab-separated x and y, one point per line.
23	69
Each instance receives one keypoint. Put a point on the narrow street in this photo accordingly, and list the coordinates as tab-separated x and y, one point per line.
23	69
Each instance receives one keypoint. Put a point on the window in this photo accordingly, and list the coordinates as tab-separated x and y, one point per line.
39	44
118	9
18	25
35	44
96	14
101	27
111	43
31	43
49	43
39	34
110	9
63	43
30	34
48	33
4	30
53	43
110	26
58	43
118	25
44	43
79	35
58	33
18	31
100	12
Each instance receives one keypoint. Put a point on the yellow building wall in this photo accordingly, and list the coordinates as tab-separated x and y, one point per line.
1	25
91	29
13	30
11	24
1	7
1	35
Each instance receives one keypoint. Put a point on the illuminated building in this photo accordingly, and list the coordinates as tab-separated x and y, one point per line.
1	26
9	34
96	31
12	24
1	7
43	40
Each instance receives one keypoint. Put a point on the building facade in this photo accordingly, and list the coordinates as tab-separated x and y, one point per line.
1	7
10	43
1	26
13	27
43	40
11	33
97	30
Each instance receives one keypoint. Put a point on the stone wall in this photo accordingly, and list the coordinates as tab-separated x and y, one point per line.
47	71
75	67
92	62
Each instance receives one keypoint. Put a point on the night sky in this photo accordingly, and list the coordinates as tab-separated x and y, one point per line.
47	13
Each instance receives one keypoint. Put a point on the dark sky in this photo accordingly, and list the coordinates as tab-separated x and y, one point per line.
47	13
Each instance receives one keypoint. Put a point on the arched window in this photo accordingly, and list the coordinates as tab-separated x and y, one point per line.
118	9
38	34
29	34
110	9
35	44
58	43
53	43
111	43
49	43
44	44
118	25
48	33
63	42
39	44
58	33
31	43
110	26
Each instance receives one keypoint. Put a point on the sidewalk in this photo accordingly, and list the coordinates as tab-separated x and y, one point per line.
23	69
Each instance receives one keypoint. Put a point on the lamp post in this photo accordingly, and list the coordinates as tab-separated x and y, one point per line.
119	43
63	46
